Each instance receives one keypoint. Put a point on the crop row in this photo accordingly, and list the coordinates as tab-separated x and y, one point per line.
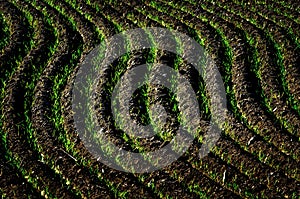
148	179
257	39
20	147
165	21
136	16
160	175
285	32
5	32
258	151
19	44
285	140
64	163
276	89
49	122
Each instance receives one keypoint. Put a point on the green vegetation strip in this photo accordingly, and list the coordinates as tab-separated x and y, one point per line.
287	141
291	33
124	59
21	43
11	136
275	99
273	154
4	32
58	123
75	56
164	22
244	163
142	25
121	67
29	68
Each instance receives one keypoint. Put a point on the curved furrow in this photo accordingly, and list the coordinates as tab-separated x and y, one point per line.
173	191
267	63
112	176
269	78
264	152
287	44
256	116
43	46
292	30
180	167
12	182
292	33
271	85
272	82
280	18
275	153
247	104
68	53
191	178
290	53
276	181
20	35
237	131
292	114
276	185
283	10
166	180
19	44
136	187
130	178
271	170
287	179
130	183
164	21
19	147
291	5
285	16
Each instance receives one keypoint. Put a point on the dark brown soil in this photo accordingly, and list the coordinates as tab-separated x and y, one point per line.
257	155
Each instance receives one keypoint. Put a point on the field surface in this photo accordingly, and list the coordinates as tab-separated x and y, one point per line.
255	45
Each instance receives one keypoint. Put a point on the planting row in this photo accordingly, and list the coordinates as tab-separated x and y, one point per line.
42	48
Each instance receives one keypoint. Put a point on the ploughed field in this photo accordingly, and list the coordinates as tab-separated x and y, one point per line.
255	46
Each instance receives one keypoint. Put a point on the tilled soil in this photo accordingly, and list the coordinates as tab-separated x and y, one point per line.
255	48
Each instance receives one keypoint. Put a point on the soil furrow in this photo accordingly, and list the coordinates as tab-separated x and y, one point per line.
247	101
43	152
78	176
131	12
16	133
267	65
19	44
287	42
130	177
265	147
269	73
42	96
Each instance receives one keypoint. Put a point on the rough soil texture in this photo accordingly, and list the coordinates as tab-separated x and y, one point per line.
255	47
